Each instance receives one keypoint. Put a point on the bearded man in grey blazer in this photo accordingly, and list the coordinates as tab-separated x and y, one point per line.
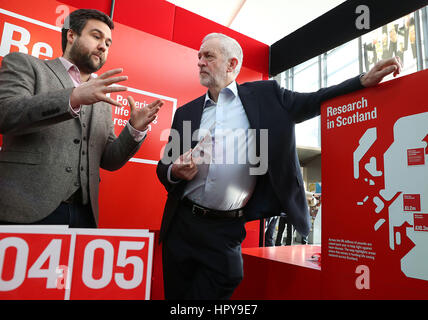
57	128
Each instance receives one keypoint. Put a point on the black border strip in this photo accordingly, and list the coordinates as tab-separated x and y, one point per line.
334	28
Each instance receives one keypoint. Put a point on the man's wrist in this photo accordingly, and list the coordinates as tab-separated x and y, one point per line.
74	103
170	176
135	133
74	110
361	79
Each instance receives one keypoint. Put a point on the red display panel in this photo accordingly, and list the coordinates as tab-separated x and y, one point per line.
29	264
111	266
156	68
57	263
375	192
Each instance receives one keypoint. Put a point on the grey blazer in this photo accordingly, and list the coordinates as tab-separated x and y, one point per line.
37	147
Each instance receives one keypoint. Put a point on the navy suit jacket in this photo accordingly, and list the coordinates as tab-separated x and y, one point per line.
269	107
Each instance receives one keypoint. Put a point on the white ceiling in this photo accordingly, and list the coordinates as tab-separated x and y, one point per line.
265	20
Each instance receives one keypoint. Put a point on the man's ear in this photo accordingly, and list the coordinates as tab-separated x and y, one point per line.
233	63
71	36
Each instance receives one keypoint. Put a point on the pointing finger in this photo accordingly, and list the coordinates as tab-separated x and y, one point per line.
187	155
131	103
153	112
110	81
387	70
385	62
156	103
110	73
114	89
111	101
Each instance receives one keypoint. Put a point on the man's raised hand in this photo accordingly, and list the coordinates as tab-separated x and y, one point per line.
380	70
96	89
142	117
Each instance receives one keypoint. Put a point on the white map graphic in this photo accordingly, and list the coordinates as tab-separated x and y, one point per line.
405	174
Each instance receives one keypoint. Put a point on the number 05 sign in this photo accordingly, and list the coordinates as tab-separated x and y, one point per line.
54	262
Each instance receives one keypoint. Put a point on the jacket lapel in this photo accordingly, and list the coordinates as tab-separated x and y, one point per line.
58	69
195	115
252	107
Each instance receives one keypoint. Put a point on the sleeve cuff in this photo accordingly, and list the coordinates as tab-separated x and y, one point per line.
136	134
75	112
360	76
169	176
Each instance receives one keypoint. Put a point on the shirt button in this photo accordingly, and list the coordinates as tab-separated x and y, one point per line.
76	184
69	169
76	141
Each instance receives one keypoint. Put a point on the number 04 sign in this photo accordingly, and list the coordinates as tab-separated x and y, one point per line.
54	262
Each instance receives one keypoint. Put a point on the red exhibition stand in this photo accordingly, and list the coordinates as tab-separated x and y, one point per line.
156	44
375	192
280	273
374	204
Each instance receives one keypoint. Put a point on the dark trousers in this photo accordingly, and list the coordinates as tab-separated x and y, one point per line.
202	256
270	230
73	215
281	226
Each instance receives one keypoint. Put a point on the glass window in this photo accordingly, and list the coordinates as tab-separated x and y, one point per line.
342	63
424	35
306	76
307	79
397	38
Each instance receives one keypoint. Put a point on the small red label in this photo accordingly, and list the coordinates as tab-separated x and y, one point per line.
420	222
412	202
415	157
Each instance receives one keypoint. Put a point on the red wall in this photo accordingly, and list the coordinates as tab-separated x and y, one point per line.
156	44
165	20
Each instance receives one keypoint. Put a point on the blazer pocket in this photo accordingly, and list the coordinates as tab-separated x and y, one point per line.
20	157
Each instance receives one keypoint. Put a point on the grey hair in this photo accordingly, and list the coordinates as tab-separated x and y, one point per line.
229	47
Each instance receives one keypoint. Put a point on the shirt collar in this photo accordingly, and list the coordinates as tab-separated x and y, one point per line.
72	70
67	64
231	88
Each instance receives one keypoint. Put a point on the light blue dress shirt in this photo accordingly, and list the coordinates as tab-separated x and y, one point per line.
224	182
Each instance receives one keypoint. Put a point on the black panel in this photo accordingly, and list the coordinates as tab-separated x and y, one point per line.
334	28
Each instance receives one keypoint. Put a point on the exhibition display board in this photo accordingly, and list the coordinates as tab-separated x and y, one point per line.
156	68
374	204
374	174
159	56
375	192
57	263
